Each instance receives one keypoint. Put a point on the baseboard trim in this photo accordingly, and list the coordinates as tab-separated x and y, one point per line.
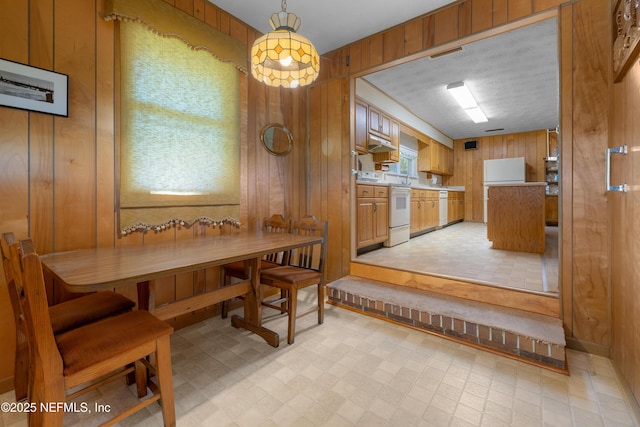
588	347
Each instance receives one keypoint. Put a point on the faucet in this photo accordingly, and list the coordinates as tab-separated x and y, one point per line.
406	179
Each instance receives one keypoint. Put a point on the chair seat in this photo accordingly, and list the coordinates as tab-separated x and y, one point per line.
290	275
236	269
87	309
89	345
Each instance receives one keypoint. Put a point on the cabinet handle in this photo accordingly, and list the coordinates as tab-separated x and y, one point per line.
615	150
375	207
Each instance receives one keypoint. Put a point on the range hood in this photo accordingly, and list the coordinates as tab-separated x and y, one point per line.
379	145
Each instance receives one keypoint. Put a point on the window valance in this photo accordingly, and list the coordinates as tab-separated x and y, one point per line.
168	21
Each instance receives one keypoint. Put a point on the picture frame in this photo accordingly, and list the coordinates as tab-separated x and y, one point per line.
626	37
34	89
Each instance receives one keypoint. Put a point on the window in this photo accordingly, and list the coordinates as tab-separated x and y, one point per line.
408	163
180	150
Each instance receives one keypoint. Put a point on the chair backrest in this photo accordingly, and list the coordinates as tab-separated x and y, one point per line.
313	256
10	251
277	224
45	359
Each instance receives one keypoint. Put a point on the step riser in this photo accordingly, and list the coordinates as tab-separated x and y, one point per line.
524	348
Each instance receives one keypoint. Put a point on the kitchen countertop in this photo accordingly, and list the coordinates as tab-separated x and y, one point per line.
417	186
519	184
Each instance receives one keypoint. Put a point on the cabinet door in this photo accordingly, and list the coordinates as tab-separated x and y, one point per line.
381	219
361	129
365	222
415	215
379	123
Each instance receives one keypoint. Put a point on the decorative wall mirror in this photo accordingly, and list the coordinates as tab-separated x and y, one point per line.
277	139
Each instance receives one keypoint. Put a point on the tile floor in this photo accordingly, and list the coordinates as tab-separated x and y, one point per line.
463	251
359	371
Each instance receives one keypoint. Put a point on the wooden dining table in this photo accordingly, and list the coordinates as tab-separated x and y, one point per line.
105	268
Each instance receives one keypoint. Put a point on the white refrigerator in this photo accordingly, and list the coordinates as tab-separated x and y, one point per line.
502	171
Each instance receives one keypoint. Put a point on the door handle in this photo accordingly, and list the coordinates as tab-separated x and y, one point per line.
614	150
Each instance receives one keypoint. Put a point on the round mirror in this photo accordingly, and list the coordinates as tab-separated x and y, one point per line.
277	139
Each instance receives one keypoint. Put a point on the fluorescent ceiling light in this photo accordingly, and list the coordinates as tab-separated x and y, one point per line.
462	95
468	103
476	114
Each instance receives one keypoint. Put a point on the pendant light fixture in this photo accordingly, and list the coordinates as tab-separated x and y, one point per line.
283	57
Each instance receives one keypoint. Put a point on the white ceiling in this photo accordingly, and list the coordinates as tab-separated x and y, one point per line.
514	76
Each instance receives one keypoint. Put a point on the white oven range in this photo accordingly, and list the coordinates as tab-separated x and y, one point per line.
399	214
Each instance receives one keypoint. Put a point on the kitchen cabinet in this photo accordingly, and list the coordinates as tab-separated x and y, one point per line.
434	157
425	208
394	155
515	217
361	127
455	208
372	214
551	209
379	123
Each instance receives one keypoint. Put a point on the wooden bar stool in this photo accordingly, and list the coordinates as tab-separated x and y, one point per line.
88	356
64	316
305	267
275	224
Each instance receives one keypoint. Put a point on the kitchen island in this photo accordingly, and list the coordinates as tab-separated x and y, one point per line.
516	216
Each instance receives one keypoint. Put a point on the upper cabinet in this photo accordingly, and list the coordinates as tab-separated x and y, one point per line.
370	120
434	157
379	123
361	126
392	156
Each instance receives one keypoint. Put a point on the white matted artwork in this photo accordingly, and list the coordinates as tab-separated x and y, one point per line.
35	89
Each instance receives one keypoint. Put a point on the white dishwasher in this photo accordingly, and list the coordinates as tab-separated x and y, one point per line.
444	202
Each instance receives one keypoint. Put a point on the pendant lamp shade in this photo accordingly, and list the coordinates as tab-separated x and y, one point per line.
284	58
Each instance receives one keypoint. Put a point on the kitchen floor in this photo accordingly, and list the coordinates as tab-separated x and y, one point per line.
462	251
355	370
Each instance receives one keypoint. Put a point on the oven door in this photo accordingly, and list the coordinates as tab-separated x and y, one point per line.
399	206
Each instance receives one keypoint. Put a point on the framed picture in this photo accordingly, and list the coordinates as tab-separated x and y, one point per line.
34	89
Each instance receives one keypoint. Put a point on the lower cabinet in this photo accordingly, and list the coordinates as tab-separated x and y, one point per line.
425	208
551	209
455	208
373	214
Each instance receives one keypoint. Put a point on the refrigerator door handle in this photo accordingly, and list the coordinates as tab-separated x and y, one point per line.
614	150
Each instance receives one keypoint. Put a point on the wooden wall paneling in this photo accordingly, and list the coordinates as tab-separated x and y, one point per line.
199	9
393	43
185	5
632	210
74	137
14	160
413	36
105	132
540	5
591	313
355	57
465	25
428	31
376	50
499	12
482	15
336	152
446	25
517	9
41	131
212	15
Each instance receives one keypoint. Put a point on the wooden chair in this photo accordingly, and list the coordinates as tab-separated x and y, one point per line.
276	224
88	356
64	316
305	268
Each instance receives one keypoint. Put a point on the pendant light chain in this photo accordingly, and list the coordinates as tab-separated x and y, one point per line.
284	5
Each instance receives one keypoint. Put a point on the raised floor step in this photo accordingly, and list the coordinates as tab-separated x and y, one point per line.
529	337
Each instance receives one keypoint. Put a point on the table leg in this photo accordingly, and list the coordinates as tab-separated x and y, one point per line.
252	320
146	296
